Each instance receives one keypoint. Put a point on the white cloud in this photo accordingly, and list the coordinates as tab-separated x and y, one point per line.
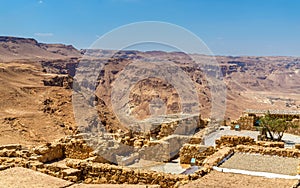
43	34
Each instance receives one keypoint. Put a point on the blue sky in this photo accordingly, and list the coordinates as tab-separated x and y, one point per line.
228	27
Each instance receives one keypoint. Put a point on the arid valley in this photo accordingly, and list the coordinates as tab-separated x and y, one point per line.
45	128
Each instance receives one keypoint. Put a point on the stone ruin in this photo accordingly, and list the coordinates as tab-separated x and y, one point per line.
160	139
72	158
98	157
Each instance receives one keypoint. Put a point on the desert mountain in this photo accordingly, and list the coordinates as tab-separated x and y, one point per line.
35	105
36	81
251	82
14	48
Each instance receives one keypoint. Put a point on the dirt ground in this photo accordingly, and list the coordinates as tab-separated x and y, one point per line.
25	117
230	180
260	163
26	178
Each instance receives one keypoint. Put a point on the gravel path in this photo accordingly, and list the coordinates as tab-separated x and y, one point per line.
263	163
210	139
228	180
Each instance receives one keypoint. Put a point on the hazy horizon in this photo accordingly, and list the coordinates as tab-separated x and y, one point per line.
231	28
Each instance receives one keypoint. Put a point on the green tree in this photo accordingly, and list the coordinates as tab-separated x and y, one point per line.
275	127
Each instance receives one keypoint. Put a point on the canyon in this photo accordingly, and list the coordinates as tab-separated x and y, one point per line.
64	112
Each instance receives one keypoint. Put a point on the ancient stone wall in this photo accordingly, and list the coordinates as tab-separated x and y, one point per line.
51	159
165	149
245	123
14	150
177	125
199	152
68	147
270	144
49	152
98	173
88	170
283	152
156	151
77	149
217	157
213	160
231	141
88	167
196	140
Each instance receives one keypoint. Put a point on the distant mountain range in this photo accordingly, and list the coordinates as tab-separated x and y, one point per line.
15	48
251	82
